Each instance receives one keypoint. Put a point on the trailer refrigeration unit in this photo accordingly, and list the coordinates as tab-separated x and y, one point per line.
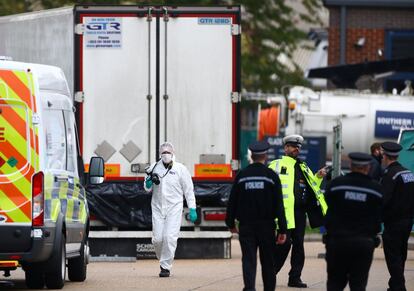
142	75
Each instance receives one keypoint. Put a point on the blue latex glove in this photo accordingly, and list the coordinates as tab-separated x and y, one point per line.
193	215
148	182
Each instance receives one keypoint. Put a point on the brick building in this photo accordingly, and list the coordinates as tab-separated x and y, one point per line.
370	30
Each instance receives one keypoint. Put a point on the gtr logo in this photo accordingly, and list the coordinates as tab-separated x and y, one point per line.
2	134
104	26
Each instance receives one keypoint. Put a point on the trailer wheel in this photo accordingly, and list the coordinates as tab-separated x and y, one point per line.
35	279
55	276
77	267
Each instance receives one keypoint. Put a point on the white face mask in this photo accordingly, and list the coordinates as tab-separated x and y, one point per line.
166	158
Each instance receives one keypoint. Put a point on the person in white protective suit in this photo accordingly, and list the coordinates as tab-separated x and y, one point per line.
169	181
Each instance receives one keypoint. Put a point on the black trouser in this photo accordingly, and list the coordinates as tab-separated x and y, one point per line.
252	236
395	240
295	239
348	259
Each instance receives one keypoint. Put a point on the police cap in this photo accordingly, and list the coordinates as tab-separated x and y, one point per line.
293	139
259	147
360	159
391	148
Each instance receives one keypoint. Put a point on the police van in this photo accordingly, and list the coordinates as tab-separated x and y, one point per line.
44	217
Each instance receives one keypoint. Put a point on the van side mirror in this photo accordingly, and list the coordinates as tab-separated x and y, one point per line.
96	171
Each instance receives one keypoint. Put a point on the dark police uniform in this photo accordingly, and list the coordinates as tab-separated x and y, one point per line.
375	172
398	211
352	223
256	201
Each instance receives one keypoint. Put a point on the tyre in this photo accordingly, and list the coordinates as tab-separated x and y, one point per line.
77	266
56	273
35	279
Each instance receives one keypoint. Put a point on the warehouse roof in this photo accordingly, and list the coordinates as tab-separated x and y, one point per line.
345	76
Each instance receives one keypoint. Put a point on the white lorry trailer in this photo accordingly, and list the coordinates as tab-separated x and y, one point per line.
141	75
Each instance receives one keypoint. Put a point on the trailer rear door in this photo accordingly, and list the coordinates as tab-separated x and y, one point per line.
155	74
199	74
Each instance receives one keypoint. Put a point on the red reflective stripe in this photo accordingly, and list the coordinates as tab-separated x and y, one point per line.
17	198
8	150
15	121
215	216
20	126
17	86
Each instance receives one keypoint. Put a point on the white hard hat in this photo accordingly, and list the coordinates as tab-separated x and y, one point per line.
294	139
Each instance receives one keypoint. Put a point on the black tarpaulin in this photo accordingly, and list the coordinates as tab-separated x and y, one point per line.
128	205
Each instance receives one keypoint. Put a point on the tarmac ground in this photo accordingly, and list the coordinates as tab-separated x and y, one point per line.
213	275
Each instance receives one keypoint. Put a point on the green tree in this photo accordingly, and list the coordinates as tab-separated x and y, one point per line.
269	34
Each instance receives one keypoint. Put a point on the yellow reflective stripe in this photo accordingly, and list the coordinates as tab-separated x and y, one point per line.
20	182
11	131
25	114
55	209
75	191
63	190
23	76
315	183
69	210
18	141
15	213
11	94
82	213
4	89
48	182
21	105
287	187
27	79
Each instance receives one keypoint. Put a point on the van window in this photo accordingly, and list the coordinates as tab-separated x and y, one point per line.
71	144
55	140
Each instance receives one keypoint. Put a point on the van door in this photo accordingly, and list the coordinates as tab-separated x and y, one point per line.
56	177
77	212
15	190
18	157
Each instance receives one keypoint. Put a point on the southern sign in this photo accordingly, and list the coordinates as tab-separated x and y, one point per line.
388	123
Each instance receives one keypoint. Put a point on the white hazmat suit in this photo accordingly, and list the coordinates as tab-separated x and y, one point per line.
167	208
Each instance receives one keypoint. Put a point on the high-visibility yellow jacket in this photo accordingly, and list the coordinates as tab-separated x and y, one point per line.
287	179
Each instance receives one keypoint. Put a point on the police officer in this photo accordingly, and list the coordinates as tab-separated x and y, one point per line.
255	202
301	196
375	171
398	211
352	223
